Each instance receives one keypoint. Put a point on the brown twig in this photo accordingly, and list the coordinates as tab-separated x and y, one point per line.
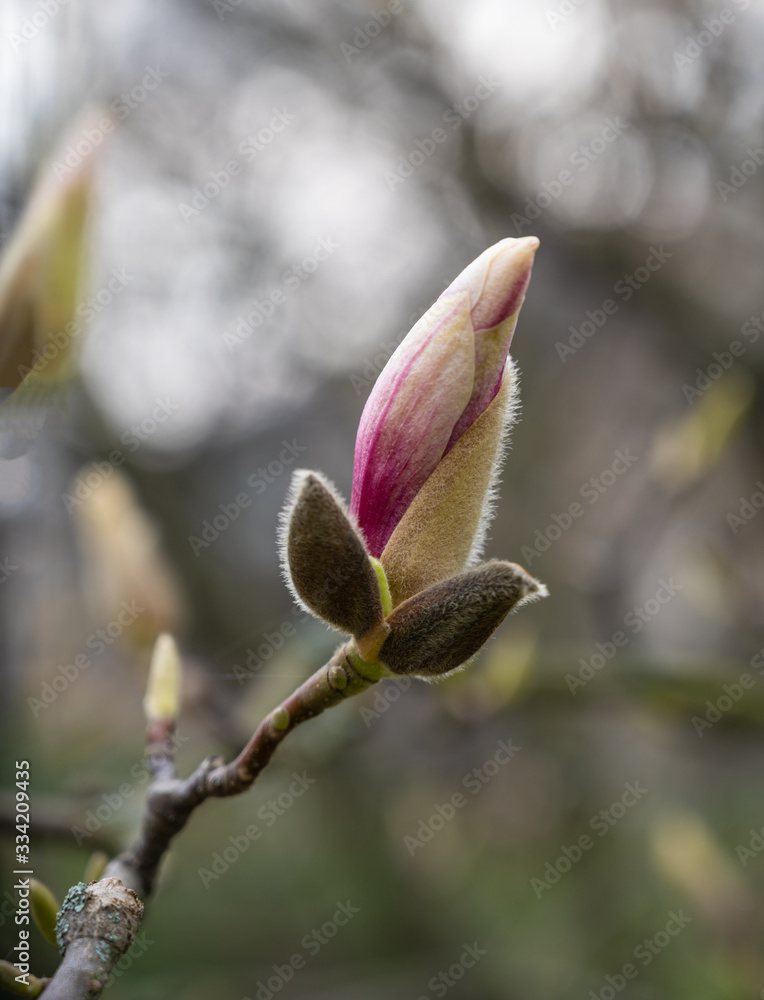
96	925
171	800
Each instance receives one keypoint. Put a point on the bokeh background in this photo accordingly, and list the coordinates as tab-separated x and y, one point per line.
250	140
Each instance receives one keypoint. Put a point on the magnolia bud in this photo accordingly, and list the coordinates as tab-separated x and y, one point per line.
430	440
41	273
44	908
439	629
443	529
20	984
441	378
326	564
162	699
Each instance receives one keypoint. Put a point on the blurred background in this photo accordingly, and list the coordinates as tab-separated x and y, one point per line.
275	192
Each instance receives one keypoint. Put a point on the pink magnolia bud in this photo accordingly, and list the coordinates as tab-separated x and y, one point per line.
441	378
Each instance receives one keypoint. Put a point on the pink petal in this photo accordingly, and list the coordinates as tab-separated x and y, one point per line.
496	283
409	417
